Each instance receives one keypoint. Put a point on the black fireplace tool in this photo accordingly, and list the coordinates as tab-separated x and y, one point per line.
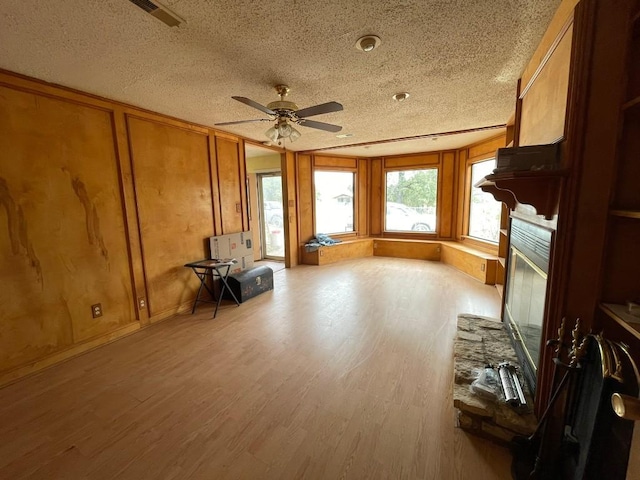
528	451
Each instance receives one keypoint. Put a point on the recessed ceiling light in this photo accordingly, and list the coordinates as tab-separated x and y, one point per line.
401	97
368	43
344	135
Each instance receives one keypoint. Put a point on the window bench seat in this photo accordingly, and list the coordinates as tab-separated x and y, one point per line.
474	262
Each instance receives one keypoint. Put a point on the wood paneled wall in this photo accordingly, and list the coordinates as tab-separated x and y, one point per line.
175	208
101	203
63	238
544	93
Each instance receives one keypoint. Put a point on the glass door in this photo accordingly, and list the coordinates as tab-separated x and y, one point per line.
272	215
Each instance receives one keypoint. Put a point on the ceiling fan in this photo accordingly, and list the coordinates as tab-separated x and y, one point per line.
286	113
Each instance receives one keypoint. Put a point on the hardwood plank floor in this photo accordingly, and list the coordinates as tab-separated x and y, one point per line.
343	371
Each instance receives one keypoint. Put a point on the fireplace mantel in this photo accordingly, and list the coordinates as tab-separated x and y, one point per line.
538	188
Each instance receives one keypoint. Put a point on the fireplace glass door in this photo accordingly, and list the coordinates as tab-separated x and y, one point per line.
525	304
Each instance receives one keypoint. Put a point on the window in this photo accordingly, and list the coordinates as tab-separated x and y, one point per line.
484	210
411	200
334	201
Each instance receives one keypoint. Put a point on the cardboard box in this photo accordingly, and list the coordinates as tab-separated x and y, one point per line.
234	245
244	263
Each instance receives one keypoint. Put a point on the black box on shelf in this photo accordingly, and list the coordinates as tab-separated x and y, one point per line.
529	158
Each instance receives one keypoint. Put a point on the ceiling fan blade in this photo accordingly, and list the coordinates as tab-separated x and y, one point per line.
245	121
320	125
253	104
319	109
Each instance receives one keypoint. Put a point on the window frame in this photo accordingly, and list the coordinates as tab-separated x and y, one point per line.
480	242
344	169
408	233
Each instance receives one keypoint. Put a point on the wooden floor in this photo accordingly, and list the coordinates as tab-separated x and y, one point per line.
343	372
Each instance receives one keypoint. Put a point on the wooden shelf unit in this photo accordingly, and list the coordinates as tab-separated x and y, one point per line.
621	273
634	102
626	214
619	314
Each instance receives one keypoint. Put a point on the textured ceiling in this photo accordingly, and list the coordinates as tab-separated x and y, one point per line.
459	60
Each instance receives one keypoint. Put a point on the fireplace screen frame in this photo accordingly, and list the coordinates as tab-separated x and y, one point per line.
530	245
525	348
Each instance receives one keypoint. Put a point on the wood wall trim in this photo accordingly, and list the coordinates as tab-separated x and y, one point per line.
448	200
335	163
486	149
544	103
376	192
244	186
364	208
167	121
401	162
528	83
226	136
130	213
558	23
461	205
40	87
215	190
404	139
289	178
13	375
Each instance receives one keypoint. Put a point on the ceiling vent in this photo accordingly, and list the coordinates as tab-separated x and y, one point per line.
159	11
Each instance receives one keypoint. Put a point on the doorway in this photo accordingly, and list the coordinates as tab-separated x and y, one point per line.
266	213
272	215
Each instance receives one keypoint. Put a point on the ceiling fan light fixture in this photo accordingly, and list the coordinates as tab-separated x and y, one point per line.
295	134
284	129
368	43
272	134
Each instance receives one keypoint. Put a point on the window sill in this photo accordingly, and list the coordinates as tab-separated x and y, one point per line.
483	245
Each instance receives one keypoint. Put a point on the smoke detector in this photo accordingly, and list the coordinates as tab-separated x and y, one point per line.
401	97
368	43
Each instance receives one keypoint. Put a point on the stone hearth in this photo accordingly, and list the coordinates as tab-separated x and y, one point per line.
481	341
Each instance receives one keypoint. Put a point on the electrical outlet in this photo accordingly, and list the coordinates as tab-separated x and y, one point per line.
142	303
238	207
96	310
482	267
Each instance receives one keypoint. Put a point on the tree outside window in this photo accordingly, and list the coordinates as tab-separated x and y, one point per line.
411	200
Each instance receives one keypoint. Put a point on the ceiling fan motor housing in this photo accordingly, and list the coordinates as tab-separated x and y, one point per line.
282	105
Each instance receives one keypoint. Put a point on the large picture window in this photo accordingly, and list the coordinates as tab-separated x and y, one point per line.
484	210
411	200
334	201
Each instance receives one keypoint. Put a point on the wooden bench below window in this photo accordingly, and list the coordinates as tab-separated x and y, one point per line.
474	262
